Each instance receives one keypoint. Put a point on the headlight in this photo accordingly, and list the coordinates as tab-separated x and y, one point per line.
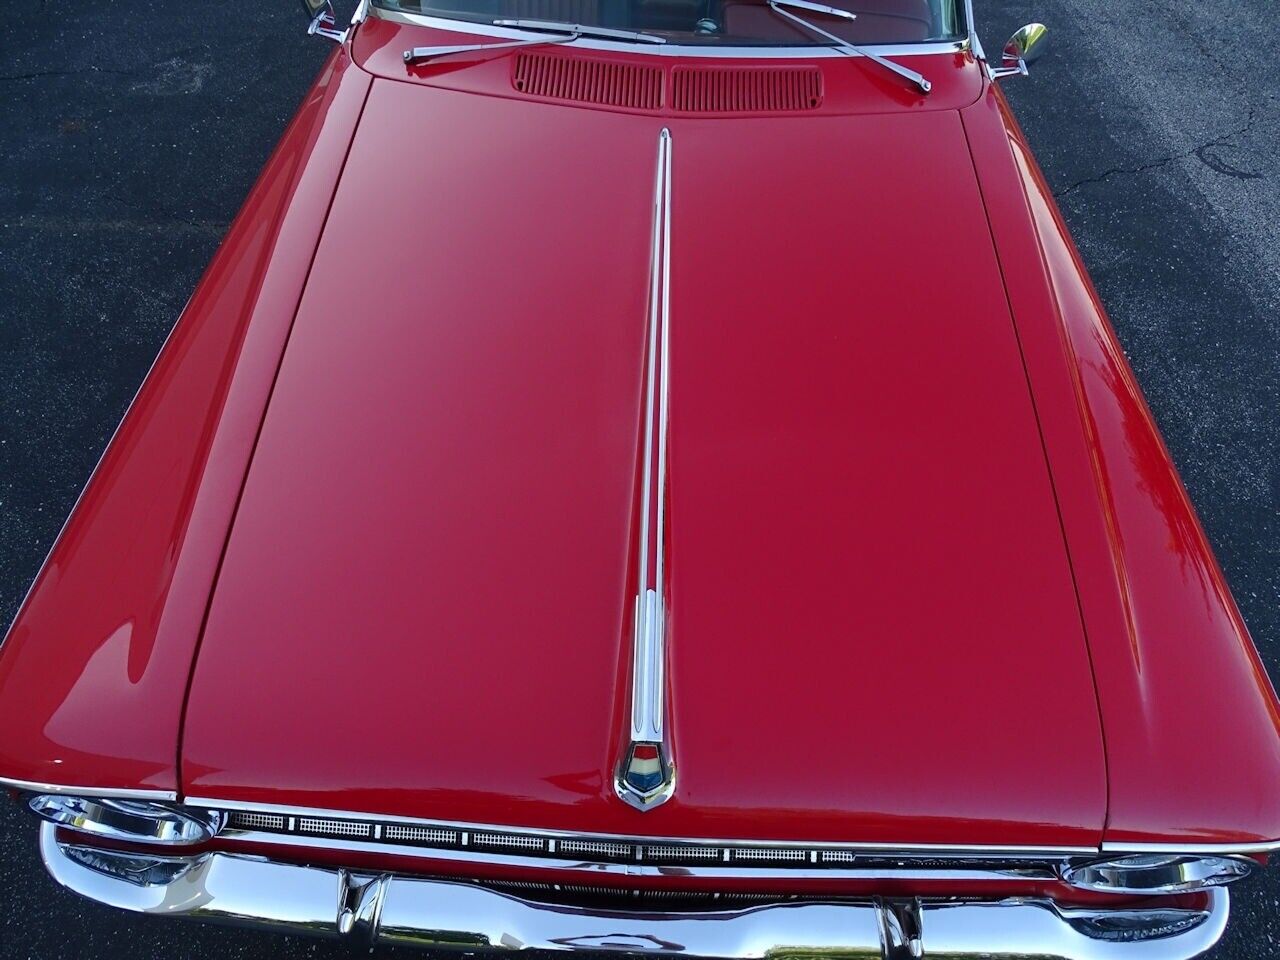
1157	873
136	821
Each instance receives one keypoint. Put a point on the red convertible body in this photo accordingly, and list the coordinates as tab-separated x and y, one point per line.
657	472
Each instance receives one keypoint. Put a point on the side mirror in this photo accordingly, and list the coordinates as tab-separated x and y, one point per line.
1024	47
323	23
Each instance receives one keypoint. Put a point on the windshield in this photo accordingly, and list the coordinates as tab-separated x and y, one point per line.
722	22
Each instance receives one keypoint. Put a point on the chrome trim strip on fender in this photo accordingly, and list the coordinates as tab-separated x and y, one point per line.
645	776
940	47
1206	849
112	793
382	907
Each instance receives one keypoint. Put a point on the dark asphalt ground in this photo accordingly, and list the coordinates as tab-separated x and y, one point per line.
130	133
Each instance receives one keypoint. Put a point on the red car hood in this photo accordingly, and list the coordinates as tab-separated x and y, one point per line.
425	604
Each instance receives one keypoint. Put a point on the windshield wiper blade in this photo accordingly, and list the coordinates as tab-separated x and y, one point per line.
844	45
582	30
570	31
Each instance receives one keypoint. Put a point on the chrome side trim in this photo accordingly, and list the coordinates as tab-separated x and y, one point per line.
113	793
975	850
674	49
645	776
1207	849
420	912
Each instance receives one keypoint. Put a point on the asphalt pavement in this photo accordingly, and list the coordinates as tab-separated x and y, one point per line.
130	133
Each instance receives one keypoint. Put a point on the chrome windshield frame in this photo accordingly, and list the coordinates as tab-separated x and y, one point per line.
673	48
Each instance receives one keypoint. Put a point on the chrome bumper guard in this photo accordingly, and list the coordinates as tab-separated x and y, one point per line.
412	911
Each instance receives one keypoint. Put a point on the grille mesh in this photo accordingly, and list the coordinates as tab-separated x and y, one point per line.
556	77
745	89
432	835
597	848
684	853
771	855
510	840
258	821
334	828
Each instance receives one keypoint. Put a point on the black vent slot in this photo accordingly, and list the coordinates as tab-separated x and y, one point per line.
556	77
745	89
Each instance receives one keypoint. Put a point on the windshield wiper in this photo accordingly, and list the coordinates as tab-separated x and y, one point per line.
582	30
570	32
844	45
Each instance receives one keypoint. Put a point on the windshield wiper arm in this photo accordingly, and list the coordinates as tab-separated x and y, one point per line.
422	54
582	30
570	32
844	45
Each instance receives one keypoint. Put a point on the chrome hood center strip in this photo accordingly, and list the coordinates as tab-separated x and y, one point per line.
646	772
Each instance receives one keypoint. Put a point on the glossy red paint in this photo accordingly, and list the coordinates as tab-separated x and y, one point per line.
1192	723
469	545
933	578
95	667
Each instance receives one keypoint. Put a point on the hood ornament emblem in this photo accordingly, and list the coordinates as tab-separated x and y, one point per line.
646	774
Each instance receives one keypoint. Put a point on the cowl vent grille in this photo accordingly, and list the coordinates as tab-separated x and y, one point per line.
555	77
745	89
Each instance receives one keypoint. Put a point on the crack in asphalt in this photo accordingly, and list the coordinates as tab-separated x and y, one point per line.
1200	152
62	225
45	74
174	60
166	218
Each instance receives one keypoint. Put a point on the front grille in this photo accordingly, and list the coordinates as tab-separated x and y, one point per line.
531	846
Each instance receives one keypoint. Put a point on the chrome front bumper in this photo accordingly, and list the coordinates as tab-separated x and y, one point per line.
433	913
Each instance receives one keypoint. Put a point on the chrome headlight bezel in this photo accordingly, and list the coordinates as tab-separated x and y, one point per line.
132	821
1158	873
